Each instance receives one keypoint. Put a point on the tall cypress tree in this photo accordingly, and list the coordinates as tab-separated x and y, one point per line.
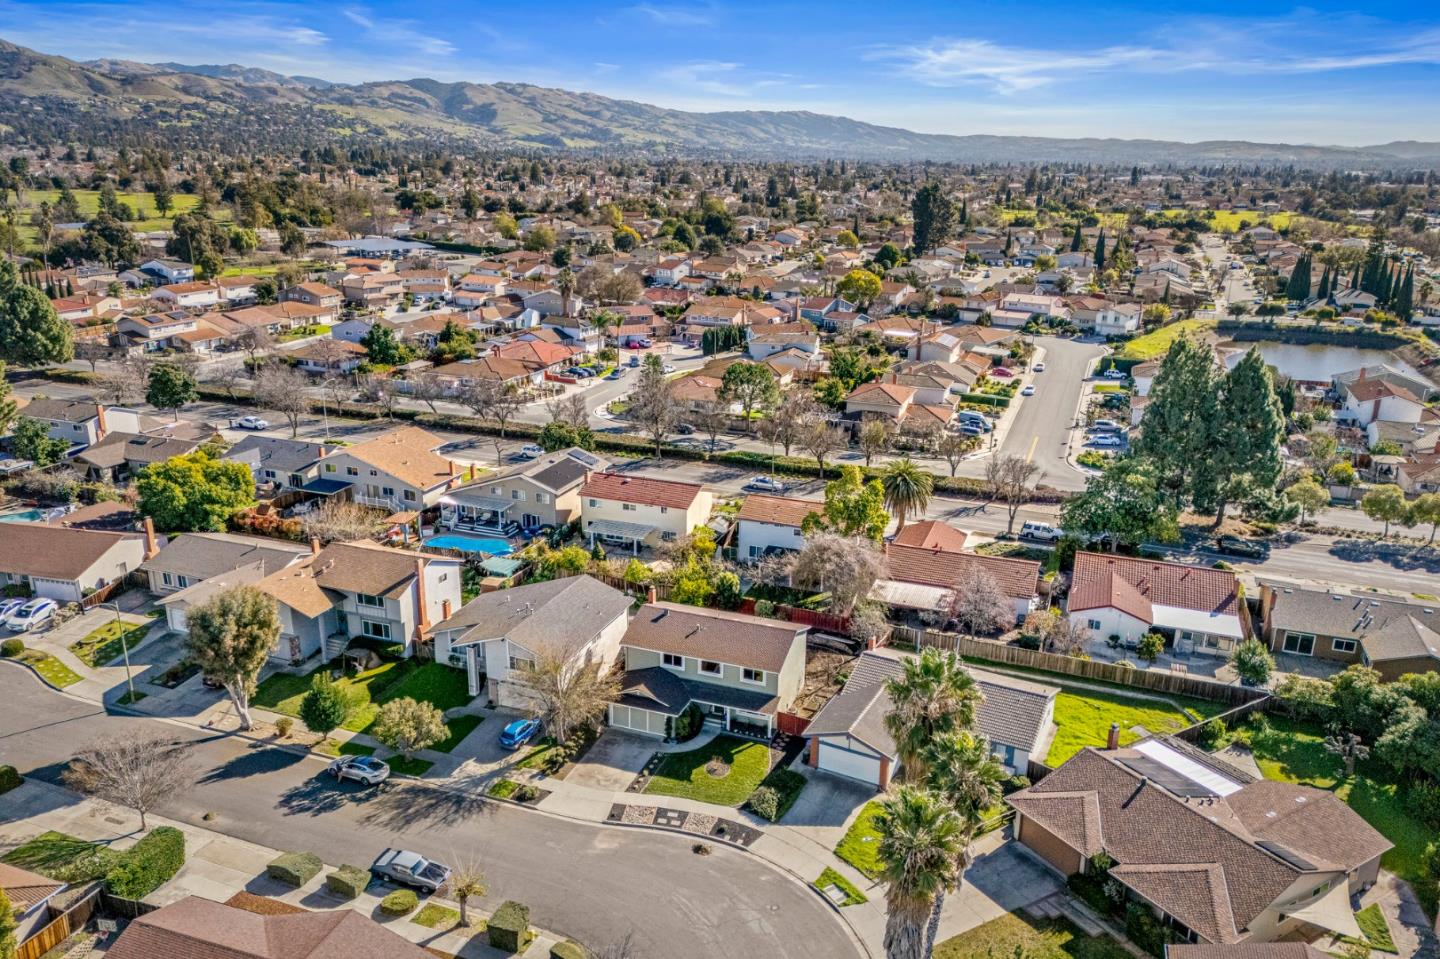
1245	452
1100	253
1324	293
1181	419
1077	240
1405	296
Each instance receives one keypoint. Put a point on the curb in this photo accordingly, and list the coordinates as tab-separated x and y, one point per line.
45	682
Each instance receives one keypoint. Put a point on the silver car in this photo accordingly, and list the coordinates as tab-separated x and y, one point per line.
363	769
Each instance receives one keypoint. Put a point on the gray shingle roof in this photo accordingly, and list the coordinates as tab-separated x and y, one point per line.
277	453
202	555
714	634
560	614
1388	628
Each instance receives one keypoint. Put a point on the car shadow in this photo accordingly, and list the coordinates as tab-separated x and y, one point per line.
322	794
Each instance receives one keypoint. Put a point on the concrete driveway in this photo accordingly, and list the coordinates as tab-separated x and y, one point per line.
1002	878
826	805
613	762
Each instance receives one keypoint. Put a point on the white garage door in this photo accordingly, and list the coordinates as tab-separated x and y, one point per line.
175	619
842	761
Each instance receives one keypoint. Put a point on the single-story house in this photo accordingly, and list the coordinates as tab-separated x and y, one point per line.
1196	609
66	564
1390	634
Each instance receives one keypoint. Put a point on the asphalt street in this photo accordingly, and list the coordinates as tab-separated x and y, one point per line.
596	883
1044	423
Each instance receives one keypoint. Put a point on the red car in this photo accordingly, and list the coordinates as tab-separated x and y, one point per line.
1002	372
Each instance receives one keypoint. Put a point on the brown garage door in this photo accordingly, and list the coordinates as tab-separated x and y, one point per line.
1051	848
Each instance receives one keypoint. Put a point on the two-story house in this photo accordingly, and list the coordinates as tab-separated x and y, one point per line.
164	272
544	492
155	331
739	671
398	470
500	634
279	463
83	422
638	511
771	524
200	295
314	294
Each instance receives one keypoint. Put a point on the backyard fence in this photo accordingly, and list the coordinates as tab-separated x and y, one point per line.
825	622
791	724
1175	684
69	920
1229	717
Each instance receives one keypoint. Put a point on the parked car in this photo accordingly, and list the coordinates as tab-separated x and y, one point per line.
643	343
252	423
31	615
970	429
1237	546
1029	390
764	484
1106	439
363	769
1113	374
8	606
1003	372
684	429
616	373
1039	367
1041	531
1105	426
529	451
409	869
519	732
668	368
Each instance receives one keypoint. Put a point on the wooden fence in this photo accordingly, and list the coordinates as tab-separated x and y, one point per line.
791	724
59	929
825	622
1175	684
1229	717
111	589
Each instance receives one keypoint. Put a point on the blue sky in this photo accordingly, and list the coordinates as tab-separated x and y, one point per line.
1326	73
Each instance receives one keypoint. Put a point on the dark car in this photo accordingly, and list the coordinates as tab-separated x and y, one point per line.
684	429
1246	548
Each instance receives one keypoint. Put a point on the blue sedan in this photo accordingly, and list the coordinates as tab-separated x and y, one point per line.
518	733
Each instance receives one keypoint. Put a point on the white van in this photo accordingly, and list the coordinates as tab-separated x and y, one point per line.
972	418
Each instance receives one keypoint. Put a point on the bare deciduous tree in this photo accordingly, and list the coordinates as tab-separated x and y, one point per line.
254	341
790	419
376	389
710	420
953	447
467	881
820	439
281	388
876	437
428	389
493	400
846	567
138	772
1009	479
343	521
570	410
979	605
567	694
1058	633
652	403
124	381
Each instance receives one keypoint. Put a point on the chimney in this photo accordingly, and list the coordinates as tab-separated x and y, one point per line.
314	546
150	546
100	429
472	472
1113	741
650	594
894	377
451	464
422	619
444	610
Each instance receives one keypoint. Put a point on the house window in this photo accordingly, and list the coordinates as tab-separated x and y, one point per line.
756	551
709	667
352	471
329	467
1093	623
410	495
668	535
1302	644
628	507
182	581
373	473
542	498
752	675
365	599
664	509
270	474
672	660
517	664
374	630
495	491
519	495
1343	645
167	579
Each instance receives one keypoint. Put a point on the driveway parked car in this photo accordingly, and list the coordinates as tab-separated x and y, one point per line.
1002	372
668	368
362	769
1042	531
31	615
616	373
410	869
1113	374
764	484
1107	440
519	732
252	423
684	429
529	451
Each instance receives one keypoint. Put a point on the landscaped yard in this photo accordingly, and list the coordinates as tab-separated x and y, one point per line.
51	669
437	684
861	845
829	877
1295	752
724	771
1157	342
1083	718
460	727
104	645
1376	929
435	916
1013	935
409	767
62	857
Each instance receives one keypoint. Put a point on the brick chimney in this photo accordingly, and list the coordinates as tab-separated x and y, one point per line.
422	619
650	594
100	429
151	547
451	464
1113	740
314	546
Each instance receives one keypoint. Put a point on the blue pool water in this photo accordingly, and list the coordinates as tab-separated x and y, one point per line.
471	544
28	516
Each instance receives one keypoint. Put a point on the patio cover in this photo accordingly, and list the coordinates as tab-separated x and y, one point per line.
500	566
493	503
611	527
1330	911
325	487
893	592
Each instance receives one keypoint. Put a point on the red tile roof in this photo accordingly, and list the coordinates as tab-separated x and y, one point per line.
625	488
1133	585
779	510
930	534
1017	578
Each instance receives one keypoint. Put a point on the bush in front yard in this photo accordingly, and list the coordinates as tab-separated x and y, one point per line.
294	868
148	864
776	793
509	927
765	803
401	902
348	881
11	648
9	778
568	950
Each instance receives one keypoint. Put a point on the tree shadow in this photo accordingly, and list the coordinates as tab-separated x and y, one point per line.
404	808
318	796
258	760
1424	558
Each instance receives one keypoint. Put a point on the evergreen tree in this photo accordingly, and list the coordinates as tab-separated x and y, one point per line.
1405	296
1100	253
1078	240
1181	419
1244	450
1325	291
934	215
31	332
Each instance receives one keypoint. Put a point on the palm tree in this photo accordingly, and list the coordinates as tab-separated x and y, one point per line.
935	696
921	839
907	489
565	283
964	771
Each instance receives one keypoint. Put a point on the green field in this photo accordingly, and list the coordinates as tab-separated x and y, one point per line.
148	218
1157	342
1228	221
1016	935
1083	719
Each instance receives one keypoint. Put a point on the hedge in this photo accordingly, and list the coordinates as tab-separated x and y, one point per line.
348	881
148	864
10	778
509	927
568	950
294	868
11	648
401	902
986	399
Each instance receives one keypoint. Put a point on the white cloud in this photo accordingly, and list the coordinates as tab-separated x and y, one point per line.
675	16
401	32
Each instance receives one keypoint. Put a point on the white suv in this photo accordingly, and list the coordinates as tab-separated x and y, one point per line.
1041	531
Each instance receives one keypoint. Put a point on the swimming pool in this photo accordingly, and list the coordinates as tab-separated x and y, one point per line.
471	544
28	516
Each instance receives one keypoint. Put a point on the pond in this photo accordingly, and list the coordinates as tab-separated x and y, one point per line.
1316	361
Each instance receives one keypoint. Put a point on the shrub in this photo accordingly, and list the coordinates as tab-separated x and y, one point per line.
764	607
1423	799
401	902
1015	784
776	793
11	648
348	882
568	950
148	864
294	868
1211	735
1145	930
527	793
283	725
509	927
9	778
1028	641
685	726
765	803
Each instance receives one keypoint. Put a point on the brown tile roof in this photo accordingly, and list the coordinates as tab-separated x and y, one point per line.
1246	950
1101	581
53	552
931	534
714	634
408	454
24	888
625	488
778	510
893	392
1017	578
196	928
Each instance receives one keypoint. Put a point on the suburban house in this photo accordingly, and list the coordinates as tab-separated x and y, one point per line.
398	470
1390	634
1218	854
191	558
848	735
279	463
639	511
1195	608
164	272
155	331
360	589
81	422
771	524
544	492
314	294
194	927
889	400
188	296
328	356
925	578
30	895
740	671
931	534
499	634
1118	319
66	564
119	455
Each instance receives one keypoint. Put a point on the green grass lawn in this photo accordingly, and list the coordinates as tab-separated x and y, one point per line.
1295	752
409	767
502	788
1157	342
861	845
460	727
853	896
1013	935
1083	718
103	645
535	758
435	916
61	857
1376	929
147	217
686	774
330	747
51	669
437	684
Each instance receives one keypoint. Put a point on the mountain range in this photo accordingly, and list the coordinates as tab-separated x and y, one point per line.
51	97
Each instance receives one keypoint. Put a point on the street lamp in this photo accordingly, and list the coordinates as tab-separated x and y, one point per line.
124	645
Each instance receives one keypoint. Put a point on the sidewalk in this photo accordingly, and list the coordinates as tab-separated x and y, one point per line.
217	867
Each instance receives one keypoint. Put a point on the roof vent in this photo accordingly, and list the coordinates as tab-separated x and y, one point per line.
1271	814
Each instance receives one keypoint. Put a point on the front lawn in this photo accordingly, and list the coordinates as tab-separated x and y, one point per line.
1014	935
724	771
53	671
828	878
535	758
64	858
1083	719
460	727
409	767
861	845
437	684
107	644
435	916
330	747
